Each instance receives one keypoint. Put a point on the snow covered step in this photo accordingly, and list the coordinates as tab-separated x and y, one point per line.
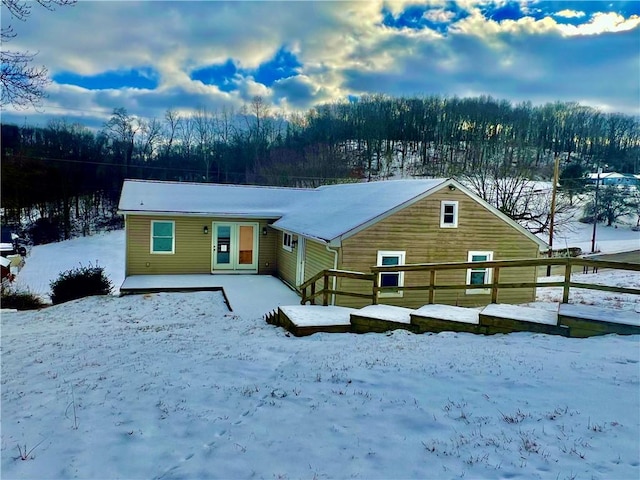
446	318
501	318
381	318
587	320
302	320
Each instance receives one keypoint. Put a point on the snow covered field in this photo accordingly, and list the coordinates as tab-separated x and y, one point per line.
174	386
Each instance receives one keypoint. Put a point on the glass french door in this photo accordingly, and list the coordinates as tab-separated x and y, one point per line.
235	246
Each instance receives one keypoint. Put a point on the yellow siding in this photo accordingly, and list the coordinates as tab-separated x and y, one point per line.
286	261
317	259
192	247
416	230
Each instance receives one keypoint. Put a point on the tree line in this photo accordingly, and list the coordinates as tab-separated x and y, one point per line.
69	173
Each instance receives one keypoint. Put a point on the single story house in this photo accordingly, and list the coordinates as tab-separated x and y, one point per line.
189	228
614	178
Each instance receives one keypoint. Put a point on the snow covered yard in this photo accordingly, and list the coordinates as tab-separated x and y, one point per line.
173	386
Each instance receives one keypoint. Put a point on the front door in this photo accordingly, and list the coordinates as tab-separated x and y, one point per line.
235	247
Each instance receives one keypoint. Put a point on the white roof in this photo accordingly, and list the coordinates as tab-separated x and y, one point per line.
327	213
335	210
157	198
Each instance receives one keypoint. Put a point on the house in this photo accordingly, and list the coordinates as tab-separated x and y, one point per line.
187	228
613	178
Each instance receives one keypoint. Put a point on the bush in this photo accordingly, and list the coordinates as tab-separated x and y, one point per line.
20	300
45	230
80	282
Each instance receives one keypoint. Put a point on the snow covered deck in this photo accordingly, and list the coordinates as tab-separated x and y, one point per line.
569	320
244	294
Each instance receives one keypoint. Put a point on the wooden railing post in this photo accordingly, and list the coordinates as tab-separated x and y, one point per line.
304	296
567	282
432	284
494	286
313	293
374	297
325	289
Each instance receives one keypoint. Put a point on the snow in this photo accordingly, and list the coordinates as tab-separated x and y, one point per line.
450	313
318	315
387	312
523	314
173	385
600	314
323	213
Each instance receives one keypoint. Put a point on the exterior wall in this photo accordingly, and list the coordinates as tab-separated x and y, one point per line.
416	230
192	247
286	261
317	259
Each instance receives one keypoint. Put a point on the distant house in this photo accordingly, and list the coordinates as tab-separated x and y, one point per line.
613	178
187	228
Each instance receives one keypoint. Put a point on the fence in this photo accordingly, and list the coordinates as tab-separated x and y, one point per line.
495	286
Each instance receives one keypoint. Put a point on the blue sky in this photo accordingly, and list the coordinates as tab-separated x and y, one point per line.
151	56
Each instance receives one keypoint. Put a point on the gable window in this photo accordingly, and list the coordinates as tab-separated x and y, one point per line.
163	239
481	275
449	214
287	241
391	279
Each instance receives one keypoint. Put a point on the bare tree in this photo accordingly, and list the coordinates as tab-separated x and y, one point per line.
22	83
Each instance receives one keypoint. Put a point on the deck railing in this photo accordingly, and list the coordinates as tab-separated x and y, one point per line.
497	266
325	291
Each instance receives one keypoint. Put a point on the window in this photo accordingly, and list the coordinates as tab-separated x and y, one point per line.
162	237
479	276
449	214
391	279
287	241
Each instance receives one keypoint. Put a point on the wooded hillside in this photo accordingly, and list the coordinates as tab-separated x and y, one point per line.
68	172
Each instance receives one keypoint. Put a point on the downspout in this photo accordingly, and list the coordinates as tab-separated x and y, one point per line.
335	267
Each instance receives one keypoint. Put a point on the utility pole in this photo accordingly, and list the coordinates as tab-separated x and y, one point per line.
556	174
595	213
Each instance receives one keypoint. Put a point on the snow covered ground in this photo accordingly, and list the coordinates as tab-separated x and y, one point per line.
173	385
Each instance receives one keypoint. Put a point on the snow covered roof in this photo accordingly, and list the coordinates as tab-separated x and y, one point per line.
157	198
335	210
328	213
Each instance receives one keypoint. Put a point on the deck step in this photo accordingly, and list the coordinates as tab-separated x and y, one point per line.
303	320
587	320
501	318
446	318
381	318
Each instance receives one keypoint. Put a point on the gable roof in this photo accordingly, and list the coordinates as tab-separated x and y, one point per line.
329	213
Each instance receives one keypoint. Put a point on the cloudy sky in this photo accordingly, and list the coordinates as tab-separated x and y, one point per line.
151	56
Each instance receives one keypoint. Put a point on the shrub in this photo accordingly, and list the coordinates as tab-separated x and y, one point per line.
20	300
45	230
80	282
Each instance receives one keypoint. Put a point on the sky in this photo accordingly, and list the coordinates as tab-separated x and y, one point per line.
152	56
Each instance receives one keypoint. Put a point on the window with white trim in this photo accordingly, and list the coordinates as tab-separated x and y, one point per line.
480	275
287	241
163	239
391	279
448	214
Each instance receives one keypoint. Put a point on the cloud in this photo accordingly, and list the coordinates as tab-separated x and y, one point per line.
150	56
570	14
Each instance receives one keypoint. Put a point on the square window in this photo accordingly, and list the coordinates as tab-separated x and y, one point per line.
162	237
287	241
449	214
391	279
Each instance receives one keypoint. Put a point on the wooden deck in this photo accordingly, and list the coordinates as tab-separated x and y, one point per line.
568	321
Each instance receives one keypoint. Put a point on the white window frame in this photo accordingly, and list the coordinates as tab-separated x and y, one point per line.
173	238
488	272
443	205
287	241
401	261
